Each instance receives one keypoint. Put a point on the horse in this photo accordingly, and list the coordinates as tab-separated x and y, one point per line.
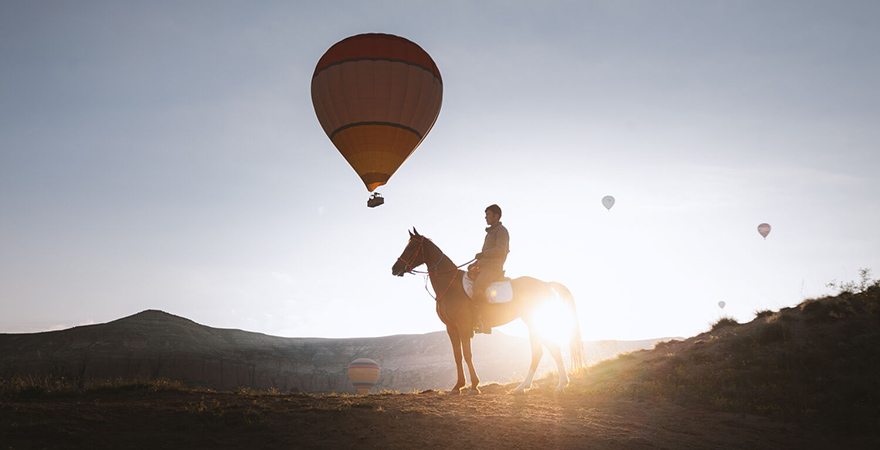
455	309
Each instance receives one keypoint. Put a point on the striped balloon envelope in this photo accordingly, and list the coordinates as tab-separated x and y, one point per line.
764	229
363	373
377	96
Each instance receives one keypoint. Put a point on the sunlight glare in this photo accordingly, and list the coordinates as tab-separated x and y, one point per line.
554	322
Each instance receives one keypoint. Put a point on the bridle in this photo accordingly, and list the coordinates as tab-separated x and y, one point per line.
409	268
408	265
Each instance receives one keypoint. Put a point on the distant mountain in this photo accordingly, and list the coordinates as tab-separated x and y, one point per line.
154	344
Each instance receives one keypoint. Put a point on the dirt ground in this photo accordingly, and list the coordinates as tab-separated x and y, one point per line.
428	420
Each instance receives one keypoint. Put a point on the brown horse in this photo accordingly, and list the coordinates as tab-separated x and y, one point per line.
456	311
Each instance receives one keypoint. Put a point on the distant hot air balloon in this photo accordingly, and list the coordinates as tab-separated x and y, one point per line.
764	229
363	373
721	304
377	97
608	202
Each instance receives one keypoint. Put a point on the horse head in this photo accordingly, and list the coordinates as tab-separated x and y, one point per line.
413	255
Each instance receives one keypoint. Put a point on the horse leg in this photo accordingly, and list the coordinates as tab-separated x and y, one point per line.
468	358
456	350
556	352
537	353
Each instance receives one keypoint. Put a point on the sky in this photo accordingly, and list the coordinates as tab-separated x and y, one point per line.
166	155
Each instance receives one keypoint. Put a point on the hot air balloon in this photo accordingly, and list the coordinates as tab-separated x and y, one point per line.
721	304
377	97
363	373
764	229
608	202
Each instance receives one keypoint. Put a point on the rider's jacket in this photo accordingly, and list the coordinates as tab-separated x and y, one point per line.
496	246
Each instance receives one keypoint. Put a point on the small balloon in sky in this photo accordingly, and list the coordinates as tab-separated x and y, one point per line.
608	202
363	374
721	304
764	229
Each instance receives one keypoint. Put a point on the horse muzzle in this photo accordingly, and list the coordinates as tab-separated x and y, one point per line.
399	268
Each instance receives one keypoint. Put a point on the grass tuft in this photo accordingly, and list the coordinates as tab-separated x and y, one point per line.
763	313
723	322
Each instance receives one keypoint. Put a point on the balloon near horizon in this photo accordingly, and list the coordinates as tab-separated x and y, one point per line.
363	374
376	96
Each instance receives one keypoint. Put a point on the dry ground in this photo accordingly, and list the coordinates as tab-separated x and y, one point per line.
495	419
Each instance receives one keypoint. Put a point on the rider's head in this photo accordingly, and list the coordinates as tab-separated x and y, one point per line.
493	215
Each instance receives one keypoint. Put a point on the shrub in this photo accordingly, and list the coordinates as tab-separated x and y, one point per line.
853	287
723	322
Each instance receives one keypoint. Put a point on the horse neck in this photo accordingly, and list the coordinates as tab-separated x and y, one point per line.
445	268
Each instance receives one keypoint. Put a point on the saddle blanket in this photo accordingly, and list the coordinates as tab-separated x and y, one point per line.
497	292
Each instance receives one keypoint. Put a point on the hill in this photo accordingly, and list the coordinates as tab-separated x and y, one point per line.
815	363
154	344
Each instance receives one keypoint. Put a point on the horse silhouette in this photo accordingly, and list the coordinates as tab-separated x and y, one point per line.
455	309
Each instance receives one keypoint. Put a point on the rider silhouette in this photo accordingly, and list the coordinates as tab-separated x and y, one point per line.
490	262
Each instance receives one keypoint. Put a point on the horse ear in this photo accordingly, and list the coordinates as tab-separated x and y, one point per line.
410	233
415	231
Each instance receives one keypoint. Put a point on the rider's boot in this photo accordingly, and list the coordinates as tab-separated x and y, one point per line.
479	327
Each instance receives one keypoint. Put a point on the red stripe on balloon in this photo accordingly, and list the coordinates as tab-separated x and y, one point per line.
377	46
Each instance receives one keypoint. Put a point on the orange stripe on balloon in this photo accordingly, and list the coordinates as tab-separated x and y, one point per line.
375	152
383	141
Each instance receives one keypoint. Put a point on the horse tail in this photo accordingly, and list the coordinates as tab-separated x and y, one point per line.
576	344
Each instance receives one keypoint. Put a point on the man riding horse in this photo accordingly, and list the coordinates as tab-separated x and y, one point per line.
456	309
490	263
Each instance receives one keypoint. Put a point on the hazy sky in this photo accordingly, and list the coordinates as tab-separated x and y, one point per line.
166	155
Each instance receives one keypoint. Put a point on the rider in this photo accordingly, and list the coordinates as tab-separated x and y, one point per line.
490	262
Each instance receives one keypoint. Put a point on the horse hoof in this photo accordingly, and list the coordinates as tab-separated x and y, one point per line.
519	391
559	391
455	392
474	391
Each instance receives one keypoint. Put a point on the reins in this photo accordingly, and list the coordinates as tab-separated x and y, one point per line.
442	271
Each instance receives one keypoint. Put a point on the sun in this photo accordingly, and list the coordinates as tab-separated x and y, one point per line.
553	321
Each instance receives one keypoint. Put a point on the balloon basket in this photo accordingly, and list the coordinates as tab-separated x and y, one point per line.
375	200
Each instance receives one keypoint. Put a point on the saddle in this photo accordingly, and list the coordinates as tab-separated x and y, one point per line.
498	292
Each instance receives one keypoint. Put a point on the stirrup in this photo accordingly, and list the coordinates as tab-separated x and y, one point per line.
480	328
